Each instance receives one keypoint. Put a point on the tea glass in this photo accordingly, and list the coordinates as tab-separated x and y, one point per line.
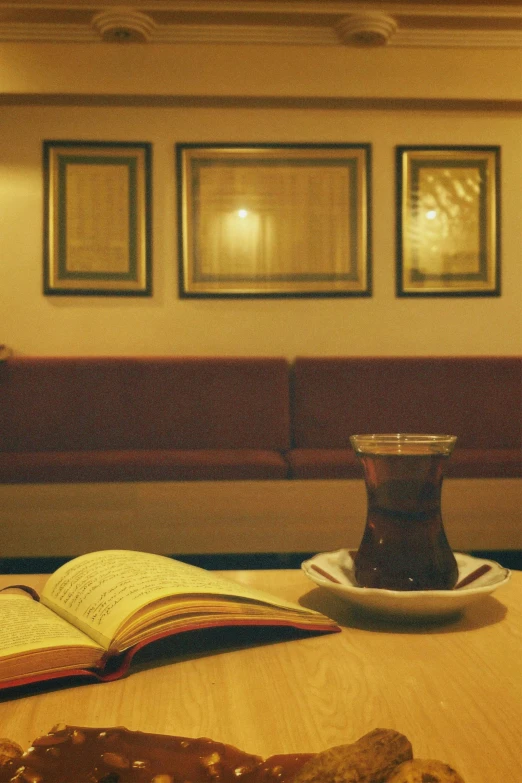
404	545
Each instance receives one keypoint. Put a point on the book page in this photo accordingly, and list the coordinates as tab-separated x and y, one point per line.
28	625
99	591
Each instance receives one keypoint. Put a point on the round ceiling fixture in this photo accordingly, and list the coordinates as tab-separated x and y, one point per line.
366	29
123	25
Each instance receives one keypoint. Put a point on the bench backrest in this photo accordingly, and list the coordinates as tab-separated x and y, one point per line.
479	399
57	404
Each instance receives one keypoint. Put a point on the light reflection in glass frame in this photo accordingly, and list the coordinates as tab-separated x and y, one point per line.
274	219
448	221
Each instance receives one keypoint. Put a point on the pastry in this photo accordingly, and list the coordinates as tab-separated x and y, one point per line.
369	760
424	771
75	754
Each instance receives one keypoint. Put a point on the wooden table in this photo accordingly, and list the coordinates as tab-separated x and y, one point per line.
455	690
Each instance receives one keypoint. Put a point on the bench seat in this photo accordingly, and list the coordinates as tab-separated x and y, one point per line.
464	463
141	465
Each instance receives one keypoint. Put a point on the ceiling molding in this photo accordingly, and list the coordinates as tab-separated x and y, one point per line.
366	28
123	24
263	102
288	22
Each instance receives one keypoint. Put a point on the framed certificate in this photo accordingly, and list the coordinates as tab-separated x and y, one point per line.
97	218
274	219
448	221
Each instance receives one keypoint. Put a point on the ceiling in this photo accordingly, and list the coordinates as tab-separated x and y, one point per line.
410	23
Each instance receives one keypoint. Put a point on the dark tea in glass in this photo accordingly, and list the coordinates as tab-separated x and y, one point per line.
404	546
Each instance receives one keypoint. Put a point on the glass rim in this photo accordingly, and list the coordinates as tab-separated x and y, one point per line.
397	443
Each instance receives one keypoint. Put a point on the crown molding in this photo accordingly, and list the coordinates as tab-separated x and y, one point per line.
493	105
287	22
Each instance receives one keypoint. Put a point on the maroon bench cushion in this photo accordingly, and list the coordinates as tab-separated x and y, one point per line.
479	399
324	464
464	463
485	463
189	418
159	418
66	404
143	465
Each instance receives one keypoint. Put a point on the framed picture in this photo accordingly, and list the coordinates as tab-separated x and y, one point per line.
97	218
448	221
274	220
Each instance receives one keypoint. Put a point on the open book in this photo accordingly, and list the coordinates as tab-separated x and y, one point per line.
98	610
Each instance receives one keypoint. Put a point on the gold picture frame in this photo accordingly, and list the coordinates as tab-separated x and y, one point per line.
97	218
274	220
448	221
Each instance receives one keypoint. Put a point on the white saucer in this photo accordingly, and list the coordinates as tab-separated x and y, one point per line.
335	572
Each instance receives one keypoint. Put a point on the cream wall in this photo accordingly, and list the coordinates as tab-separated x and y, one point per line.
248	93
289	94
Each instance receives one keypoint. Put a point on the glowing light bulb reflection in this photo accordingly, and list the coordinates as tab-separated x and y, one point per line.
431	214
242	213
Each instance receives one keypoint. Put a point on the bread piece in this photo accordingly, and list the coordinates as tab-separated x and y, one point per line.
424	771
369	760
